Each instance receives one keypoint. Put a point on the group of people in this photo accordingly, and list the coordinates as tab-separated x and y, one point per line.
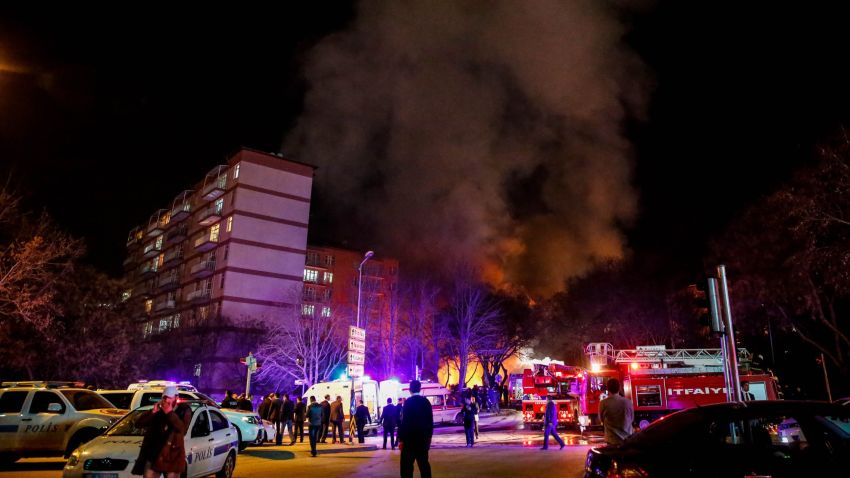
242	402
163	451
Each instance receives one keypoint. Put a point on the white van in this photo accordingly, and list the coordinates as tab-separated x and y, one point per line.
446	409
366	390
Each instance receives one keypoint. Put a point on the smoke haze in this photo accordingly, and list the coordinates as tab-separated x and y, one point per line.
486	132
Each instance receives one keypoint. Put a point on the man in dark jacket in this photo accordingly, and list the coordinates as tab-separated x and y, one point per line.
326	417
274	414
300	415
363	417
415	432
315	417
263	409
229	400
244	403
287	409
389	417
550	424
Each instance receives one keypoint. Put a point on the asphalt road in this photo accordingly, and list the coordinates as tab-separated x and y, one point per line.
509	453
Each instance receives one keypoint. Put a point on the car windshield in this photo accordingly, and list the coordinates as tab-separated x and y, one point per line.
127	425
86	400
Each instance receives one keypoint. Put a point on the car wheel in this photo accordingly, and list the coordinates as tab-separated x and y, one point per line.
459	419
239	439
226	470
8	458
79	438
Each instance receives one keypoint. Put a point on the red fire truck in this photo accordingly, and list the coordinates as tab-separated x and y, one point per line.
660	380
550	378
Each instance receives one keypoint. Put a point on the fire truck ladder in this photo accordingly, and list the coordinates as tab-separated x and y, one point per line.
677	360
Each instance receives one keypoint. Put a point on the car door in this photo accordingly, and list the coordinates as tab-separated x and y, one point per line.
11	408
122	400
199	445
42	422
222	436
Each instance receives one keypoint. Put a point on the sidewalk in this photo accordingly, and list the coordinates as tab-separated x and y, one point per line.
303	449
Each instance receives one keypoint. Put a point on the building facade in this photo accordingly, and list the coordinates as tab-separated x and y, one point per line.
233	246
331	287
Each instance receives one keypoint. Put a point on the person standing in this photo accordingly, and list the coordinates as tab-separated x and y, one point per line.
475	410
244	403
229	400
415	433
469	420
337	416
745	392
363	417
326	417
315	417
163	450
300	412
616	414
389	416
263	409
550	424
400	408
274	416
287	412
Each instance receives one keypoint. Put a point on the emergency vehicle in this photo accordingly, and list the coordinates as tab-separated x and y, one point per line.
50	418
250	428
210	442
364	389
550	378
446	410
659	380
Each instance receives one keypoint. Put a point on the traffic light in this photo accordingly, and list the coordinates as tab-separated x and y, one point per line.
700	306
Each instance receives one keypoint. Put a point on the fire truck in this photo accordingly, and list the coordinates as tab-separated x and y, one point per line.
659	381
550	378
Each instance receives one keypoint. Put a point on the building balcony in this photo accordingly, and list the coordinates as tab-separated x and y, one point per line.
171	281
152	249
134	239
142	291
210	215
165	305
157	222
176	235
214	183
174	255
206	242
147	270
200	295
181	208
202	269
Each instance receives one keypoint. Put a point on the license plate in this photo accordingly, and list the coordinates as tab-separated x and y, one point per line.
100	475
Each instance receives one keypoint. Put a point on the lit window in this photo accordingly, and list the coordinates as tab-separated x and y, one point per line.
159	242
148	328
165	218
125	296
236	171
219	205
176	322
326	311
311	275
160	260
329	261
329	277
164	324
148	305
229	223
214	230
308	310
203	312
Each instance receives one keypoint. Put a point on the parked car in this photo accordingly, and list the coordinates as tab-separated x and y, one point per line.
211	446
248	424
762	438
50	418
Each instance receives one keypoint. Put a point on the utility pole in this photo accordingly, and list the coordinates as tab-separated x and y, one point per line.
825	377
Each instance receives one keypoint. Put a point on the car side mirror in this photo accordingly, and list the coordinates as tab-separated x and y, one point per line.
54	408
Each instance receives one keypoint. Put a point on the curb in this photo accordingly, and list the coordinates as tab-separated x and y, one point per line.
332	451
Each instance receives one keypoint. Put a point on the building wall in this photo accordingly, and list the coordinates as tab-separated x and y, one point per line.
258	263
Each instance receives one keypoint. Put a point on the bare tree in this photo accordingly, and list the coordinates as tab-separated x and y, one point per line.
418	323
471	319
298	347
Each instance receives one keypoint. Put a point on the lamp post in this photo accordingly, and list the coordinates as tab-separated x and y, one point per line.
360	282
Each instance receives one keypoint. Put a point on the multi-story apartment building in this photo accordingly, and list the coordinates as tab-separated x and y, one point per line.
233	246
330	289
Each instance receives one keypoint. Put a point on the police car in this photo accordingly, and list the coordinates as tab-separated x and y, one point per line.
50	418
211	446
249	425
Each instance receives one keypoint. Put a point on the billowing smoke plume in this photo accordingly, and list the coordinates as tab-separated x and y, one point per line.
485	132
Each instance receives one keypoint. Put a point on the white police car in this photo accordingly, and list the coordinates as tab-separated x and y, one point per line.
211	447
249	426
49	418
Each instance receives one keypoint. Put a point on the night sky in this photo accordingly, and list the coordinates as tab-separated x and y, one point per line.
106	116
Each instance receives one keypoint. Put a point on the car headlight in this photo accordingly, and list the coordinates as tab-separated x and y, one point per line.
250	420
74	459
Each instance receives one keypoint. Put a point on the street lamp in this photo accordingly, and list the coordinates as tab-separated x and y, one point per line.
360	282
